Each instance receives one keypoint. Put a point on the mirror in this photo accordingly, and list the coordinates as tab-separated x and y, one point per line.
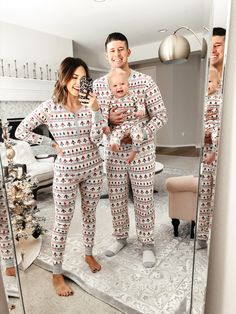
213	108
9	276
123	284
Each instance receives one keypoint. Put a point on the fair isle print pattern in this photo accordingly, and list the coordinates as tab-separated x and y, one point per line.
212	118
66	182
80	166
206	196
5	236
129	101
70	130
141	173
141	169
131	124
134	131
148	94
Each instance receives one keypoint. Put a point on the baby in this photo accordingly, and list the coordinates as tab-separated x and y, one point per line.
122	98
212	112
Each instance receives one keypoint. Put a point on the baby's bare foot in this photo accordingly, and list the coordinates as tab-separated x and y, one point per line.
11	271
93	264
62	289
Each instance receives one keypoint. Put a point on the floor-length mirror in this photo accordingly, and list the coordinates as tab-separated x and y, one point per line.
28	75
11	296
213	109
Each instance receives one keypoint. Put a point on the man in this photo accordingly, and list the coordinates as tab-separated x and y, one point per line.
141	170
213	106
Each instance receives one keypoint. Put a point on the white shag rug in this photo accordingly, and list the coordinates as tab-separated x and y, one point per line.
123	282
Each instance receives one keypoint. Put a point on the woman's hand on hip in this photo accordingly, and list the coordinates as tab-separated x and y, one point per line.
57	148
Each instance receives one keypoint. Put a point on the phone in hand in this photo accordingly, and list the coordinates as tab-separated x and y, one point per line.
86	86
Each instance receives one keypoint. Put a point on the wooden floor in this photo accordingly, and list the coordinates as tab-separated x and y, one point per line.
189	151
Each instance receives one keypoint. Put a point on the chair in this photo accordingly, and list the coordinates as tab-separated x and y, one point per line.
183	192
40	168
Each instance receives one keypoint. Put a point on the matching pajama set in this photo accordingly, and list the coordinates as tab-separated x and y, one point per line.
78	135
208	171
142	168
6	242
130	125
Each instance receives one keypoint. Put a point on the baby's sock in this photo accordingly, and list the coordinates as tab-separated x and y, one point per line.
116	247
149	258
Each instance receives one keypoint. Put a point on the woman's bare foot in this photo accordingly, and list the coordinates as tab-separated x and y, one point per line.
93	264
62	289
11	306
131	156
11	271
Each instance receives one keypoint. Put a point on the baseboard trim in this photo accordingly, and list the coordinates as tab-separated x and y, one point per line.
178	146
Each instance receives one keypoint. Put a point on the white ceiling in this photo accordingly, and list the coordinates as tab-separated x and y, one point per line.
88	22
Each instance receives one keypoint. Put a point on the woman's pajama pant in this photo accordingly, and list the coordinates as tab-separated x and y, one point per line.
141	173
67	180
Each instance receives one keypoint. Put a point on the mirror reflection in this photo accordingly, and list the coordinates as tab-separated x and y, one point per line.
8	268
142	238
213	107
212	118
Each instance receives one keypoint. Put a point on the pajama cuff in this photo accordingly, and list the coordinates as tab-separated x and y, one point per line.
88	250
97	116
9	262
145	135
57	269
148	247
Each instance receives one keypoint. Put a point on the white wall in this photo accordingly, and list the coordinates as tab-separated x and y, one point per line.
222	267
92	58
220	12
26	45
181	91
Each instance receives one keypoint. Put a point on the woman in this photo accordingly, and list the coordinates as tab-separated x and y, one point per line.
76	128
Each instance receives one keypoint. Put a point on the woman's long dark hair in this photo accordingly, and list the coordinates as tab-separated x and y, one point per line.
66	71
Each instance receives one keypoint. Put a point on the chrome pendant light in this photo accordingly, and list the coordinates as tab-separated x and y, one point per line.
176	49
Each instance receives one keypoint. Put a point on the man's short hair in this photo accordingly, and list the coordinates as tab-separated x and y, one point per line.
219	31
116	36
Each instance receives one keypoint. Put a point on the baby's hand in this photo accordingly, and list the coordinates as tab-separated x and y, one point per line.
106	130
210	157
140	113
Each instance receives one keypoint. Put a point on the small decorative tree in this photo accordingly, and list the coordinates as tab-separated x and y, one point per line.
21	202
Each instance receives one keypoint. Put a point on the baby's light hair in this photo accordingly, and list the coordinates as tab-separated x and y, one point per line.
115	72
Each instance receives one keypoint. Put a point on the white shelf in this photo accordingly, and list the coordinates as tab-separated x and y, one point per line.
19	89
